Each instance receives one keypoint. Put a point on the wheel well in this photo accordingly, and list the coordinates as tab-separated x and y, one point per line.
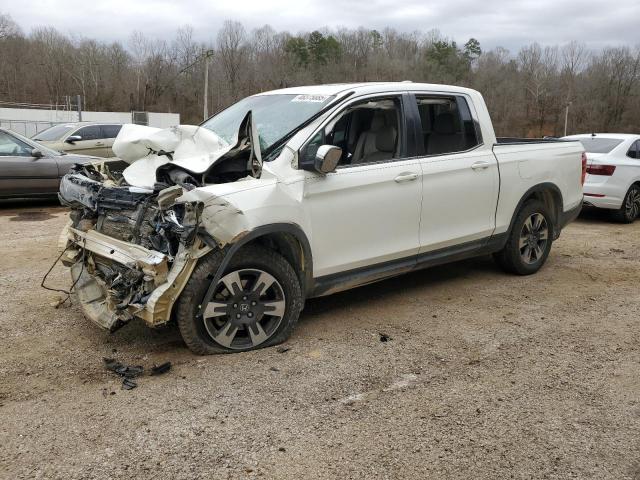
551	199
291	248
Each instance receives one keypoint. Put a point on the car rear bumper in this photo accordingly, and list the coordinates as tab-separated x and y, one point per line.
603	191
601	201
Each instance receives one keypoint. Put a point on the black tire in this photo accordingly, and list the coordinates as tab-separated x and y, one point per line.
630	208
518	260
197	332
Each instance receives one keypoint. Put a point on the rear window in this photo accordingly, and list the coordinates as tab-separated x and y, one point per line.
599	144
110	131
53	133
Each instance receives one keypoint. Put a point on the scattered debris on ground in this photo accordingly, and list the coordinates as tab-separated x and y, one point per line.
160	369
129	372
504	385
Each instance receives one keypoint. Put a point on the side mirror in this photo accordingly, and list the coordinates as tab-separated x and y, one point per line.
36	153
73	138
327	158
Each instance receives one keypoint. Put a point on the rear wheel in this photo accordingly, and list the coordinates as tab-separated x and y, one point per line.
630	208
529	242
255	304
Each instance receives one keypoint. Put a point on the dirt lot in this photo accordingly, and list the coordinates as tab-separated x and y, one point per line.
484	375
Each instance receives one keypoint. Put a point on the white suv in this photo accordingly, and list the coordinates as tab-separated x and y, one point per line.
286	195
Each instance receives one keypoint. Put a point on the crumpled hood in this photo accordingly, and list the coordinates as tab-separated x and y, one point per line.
193	148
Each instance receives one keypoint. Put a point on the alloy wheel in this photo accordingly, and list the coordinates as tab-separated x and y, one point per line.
533	238
632	205
245	310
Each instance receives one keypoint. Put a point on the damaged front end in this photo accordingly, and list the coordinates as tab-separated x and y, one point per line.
130	246
130	250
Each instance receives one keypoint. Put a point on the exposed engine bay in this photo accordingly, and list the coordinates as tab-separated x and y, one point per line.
130	245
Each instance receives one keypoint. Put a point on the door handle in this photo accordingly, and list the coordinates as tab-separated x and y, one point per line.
99	144
480	165
406	177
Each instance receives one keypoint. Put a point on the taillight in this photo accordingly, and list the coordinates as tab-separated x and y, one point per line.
584	168
606	170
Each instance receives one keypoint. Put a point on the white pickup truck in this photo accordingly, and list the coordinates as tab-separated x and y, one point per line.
350	184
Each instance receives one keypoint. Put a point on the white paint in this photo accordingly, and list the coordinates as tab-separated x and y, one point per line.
28	122
361	215
614	187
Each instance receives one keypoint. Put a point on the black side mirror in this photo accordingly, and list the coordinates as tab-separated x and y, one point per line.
73	139
36	153
327	158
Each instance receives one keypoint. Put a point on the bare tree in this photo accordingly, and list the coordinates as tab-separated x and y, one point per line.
526	92
8	27
231	50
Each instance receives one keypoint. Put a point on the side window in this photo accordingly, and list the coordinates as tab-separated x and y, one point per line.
367	132
447	125
634	151
89	133
110	131
12	147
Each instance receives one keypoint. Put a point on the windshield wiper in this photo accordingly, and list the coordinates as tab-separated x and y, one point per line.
275	146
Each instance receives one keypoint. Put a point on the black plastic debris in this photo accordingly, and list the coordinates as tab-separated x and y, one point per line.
128	384
160	369
384	337
127	371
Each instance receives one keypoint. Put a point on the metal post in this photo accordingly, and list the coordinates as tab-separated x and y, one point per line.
566	117
207	55
79	104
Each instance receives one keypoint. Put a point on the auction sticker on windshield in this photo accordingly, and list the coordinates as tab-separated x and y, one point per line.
310	98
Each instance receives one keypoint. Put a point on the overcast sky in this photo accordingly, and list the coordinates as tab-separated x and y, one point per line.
509	24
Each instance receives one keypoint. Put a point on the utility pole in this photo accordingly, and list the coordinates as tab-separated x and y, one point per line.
566	117
208	54
79	105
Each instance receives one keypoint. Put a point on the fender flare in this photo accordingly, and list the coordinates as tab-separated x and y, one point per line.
289	228
540	188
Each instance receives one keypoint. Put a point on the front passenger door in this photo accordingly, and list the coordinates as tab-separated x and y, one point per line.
91	142
365	215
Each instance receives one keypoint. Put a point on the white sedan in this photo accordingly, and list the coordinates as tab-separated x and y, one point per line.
613	173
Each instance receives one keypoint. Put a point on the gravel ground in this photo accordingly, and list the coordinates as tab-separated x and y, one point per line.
483	376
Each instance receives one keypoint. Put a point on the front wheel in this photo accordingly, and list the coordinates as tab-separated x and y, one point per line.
255	304
529	242
630	208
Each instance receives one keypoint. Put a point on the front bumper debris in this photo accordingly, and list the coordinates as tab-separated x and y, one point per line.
152	286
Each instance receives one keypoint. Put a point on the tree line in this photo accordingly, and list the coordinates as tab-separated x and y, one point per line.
527	91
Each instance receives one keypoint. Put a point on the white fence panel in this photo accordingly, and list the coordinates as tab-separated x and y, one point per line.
29	121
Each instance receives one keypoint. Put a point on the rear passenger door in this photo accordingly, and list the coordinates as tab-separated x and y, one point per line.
460	177
109	134
365	213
